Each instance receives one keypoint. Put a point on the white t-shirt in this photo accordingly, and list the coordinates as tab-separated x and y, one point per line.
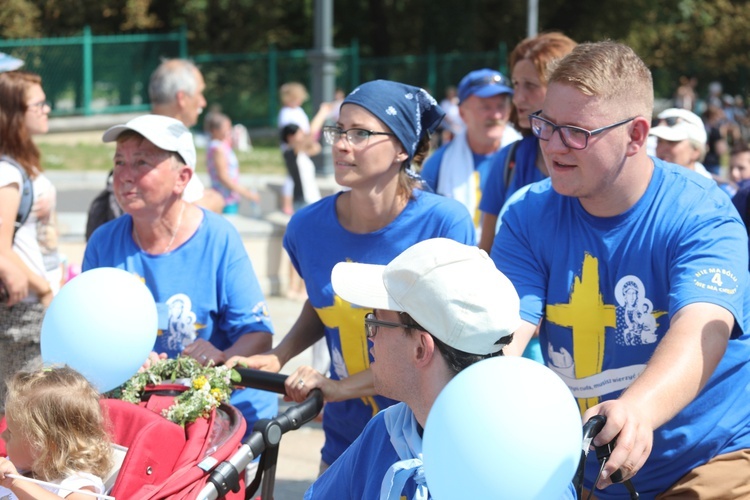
306	168
25	243
194	189
75	482
296	116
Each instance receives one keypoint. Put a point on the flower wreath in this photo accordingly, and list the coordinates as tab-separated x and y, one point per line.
207	387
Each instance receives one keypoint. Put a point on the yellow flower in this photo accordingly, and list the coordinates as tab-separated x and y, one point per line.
199	382
216	393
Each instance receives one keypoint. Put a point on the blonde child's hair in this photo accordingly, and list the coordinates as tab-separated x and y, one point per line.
293	94
58	412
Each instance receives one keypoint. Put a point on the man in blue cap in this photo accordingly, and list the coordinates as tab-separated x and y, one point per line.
459	169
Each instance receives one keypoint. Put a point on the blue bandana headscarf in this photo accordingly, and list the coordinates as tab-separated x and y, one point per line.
410	112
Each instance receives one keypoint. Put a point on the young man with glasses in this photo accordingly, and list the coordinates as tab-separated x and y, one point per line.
460	168
636	271
437	308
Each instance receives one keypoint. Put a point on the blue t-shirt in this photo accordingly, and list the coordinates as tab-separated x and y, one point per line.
204	289
358	473
740	201
495	192
316	241
607	289
482	164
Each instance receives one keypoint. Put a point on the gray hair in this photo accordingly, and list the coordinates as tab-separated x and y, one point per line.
172	76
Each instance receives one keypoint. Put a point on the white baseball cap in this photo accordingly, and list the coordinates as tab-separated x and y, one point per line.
163	132
687	125
452	290
9	63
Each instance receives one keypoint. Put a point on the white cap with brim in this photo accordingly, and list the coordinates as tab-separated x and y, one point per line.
690	127
452	290
9	63
163	132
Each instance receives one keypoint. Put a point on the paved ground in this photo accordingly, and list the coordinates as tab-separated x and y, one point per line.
299	451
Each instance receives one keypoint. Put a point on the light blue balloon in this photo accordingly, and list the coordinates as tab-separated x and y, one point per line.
506	427
102	323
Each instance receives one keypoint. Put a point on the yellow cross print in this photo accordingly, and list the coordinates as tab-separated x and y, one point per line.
354	347
588	316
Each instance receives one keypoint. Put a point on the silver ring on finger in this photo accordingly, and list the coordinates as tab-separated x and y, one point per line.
301	383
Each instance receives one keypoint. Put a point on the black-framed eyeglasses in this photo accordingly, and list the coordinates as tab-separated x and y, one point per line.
572	137
497	79
372	323
355	136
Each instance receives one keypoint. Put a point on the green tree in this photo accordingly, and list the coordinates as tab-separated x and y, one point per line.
19	19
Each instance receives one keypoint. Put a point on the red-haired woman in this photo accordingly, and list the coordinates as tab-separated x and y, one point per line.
23	113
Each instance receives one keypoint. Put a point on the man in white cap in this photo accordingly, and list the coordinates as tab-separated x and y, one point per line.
681	139
437	308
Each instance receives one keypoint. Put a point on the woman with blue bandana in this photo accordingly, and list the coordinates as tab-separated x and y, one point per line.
383	128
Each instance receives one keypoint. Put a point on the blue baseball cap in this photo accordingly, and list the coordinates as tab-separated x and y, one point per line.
483	83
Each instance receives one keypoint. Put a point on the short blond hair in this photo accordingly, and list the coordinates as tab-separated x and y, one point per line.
610	71
293	91
58	411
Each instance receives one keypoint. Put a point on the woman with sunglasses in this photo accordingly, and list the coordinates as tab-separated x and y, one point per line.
383	128
23	113
521	163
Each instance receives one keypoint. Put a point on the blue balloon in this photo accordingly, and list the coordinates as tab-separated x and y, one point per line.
102	323
505	427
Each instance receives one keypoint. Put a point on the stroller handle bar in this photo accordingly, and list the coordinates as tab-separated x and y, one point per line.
590	429
264	381
266	432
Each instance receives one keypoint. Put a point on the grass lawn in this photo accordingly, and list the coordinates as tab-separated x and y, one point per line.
264	159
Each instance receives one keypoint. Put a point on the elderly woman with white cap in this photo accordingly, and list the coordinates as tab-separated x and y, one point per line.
383	127
681	139
210	304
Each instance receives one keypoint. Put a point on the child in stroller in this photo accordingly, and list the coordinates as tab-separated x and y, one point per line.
155	458
55	430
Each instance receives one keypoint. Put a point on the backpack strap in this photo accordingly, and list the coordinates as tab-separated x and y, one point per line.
509	169
27	194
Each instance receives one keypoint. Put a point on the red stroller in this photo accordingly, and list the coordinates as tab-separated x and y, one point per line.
205	459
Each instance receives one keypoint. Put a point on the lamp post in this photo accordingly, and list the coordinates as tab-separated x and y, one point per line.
532	26
323	65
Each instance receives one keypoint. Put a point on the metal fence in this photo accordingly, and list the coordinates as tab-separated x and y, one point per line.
88	74
245	86
91	74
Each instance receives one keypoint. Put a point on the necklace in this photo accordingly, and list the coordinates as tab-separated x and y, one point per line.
174	233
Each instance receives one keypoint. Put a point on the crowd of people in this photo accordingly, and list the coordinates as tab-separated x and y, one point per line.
562	218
